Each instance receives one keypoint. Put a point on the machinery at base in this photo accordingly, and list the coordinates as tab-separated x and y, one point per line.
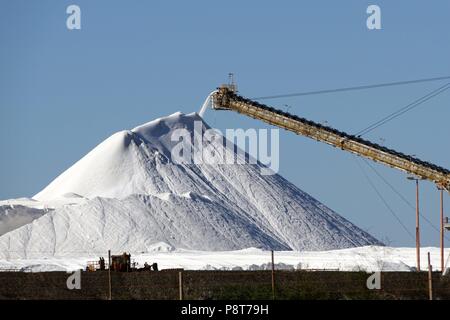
119	263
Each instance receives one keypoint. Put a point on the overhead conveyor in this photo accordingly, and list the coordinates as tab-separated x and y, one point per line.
226	98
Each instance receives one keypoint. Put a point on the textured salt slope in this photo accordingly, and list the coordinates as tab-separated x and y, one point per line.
15	216
133	197
15	213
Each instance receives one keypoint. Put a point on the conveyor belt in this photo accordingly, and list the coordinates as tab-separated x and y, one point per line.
226	99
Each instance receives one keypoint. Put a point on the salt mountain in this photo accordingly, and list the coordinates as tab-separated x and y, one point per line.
127	195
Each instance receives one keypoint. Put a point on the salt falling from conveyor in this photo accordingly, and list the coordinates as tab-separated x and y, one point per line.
207	103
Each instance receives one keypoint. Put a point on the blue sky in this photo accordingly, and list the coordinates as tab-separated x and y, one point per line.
62	92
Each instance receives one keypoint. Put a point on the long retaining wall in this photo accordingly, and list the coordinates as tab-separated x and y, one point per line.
222	285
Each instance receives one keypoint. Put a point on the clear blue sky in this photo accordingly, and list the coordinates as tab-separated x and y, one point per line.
62	92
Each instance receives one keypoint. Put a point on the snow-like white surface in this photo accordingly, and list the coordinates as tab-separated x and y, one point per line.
127	195
15	213
13	216
370	259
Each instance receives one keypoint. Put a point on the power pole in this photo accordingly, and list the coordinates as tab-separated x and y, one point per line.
417	226
442	230
273	276
180	284
430	278
109	275
417	223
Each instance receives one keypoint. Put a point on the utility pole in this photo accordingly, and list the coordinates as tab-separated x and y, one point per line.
417	223
273	276
430	278
109	275
417	226
180	285
446	227
442	230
